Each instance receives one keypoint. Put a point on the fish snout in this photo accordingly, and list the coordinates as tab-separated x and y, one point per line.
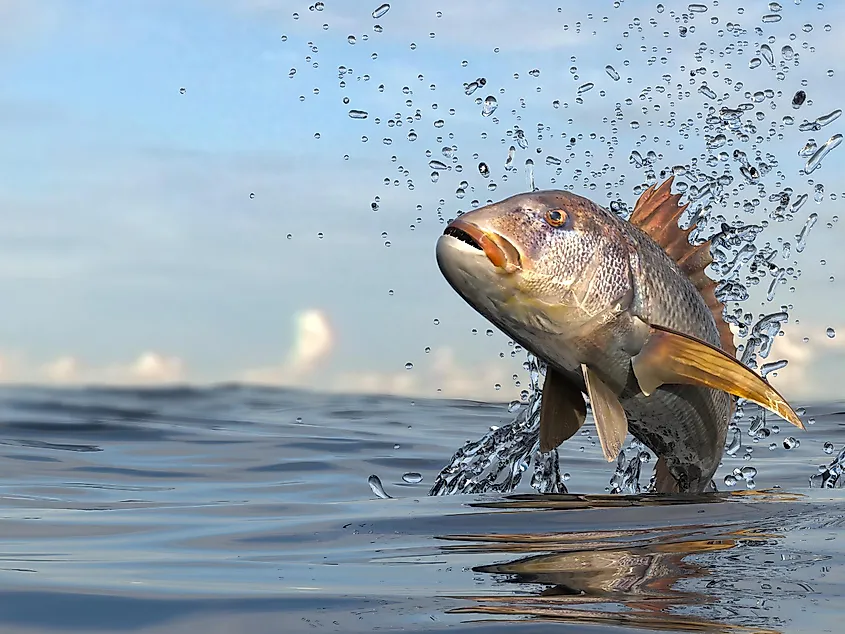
499	250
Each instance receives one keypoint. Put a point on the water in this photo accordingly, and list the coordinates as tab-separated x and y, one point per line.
245	509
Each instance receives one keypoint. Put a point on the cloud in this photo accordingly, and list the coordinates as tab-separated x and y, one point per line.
61	370
150	368
441	375
815	366
313	342
445	376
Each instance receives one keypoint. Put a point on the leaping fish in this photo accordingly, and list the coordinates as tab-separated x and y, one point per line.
620	310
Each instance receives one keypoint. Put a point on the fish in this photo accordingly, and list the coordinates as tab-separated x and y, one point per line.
621	311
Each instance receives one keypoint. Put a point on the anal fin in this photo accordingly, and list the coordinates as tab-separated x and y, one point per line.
671	357
611	420
562	410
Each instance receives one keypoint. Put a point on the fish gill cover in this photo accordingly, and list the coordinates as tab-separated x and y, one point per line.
736	101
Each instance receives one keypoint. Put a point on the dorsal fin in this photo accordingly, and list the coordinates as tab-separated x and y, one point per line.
657	213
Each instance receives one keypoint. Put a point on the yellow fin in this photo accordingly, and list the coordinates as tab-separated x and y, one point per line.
657	213
671	357
562	410
611	421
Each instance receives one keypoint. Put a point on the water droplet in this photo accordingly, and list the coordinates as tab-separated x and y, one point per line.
828	118
412	477
707	91
182	91
377	487
697	8
831	333
828	448
771	18
483	170
529	169
799	98
735	442
351	39
611	72
409	366
381	10
358	114
489	107
815	160
748	473
790	442
437	165
801	238
585	87
787	52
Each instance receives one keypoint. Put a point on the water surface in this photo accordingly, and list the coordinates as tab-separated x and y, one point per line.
244	509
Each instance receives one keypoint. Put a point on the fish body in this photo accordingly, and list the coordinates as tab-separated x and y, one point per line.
619	310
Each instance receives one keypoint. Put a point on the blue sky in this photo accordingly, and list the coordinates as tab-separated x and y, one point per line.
131	249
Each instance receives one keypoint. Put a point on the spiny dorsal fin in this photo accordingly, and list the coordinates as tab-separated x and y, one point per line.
657	213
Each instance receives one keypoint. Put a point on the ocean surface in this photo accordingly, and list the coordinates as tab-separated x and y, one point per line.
234	509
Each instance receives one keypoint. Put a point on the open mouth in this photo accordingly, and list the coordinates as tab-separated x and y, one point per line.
463	236
501	253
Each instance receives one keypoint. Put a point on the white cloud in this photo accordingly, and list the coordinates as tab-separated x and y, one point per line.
815	366
313	341
149	368
444	376
441	374
61	370
152	367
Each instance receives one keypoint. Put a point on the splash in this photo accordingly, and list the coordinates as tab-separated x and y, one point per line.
830	476
498	461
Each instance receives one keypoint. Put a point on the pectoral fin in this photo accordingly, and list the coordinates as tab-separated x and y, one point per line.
611	421
562	410
670	357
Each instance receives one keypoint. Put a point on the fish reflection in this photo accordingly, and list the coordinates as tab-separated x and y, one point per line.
641	578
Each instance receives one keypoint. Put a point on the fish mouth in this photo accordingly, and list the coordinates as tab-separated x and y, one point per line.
498	249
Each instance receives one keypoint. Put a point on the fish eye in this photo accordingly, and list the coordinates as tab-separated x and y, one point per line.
556	217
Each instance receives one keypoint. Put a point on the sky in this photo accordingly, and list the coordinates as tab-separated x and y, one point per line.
178	205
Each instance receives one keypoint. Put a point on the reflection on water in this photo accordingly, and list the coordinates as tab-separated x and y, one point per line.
638	569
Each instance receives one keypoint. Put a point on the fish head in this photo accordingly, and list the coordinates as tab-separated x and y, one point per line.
539	263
